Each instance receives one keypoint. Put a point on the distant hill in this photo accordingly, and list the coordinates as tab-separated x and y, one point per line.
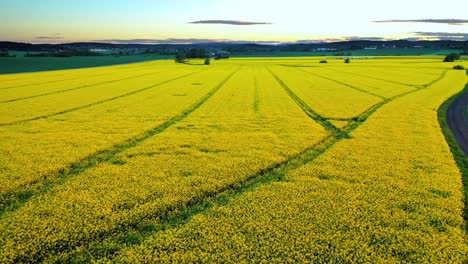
243	47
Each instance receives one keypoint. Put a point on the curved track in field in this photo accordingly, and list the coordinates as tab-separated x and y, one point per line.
179	214
174	216
76	88
457	120
98	102
13	200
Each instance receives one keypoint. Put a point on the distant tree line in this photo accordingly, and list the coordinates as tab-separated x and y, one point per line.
180	57
452	57
170	49
342	54
194	53
68	53
5	54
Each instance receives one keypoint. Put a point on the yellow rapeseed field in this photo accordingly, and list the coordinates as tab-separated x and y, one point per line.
274	160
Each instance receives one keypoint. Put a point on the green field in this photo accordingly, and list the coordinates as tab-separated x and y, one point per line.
361	52
264	160
21	64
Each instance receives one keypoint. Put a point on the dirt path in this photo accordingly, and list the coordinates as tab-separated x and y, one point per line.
457	120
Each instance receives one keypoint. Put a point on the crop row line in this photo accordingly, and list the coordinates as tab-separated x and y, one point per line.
441	76
407	68
68	79
336	70
61	80
309	112
58	73
13	200
25	78
298	66
381	79
98	102
174	216
77	88
343	83
256	99
341	118
194	203
363	116
360	116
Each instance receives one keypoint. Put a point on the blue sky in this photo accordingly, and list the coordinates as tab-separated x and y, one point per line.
152	21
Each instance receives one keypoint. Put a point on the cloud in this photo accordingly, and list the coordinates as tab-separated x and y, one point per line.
230	22
355	38
438	21
339	39
162	41
182	41
441	36
230	41
318	40
415	36
49	37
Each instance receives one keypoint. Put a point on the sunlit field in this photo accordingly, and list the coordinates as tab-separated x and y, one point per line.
244	160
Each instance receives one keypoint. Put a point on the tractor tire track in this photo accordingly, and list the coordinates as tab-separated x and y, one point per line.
55	81
256	96
13	200
395	82
98	102
76	88
343	83
176	215
309	112
362	117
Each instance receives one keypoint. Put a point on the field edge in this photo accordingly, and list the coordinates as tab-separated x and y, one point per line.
458	154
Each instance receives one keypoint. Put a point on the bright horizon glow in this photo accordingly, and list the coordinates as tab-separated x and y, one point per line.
121	21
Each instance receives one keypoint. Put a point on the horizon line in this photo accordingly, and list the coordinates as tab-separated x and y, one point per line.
234	42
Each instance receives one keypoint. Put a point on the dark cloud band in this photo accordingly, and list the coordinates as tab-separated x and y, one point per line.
49	37
418	36
438	21
182	41
442	35
339	39
230	22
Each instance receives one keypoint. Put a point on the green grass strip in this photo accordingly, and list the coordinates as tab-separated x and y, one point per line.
458	154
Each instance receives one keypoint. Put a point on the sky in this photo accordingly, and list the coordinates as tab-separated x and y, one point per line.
262	21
